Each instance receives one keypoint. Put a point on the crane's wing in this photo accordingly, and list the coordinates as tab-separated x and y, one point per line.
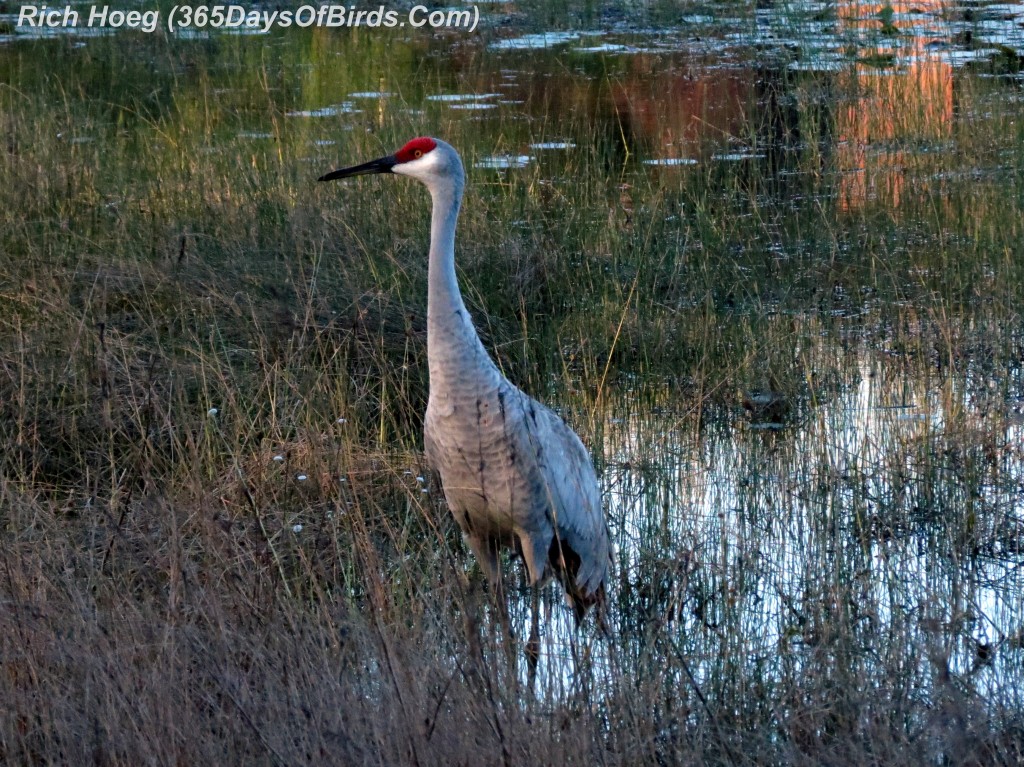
571	492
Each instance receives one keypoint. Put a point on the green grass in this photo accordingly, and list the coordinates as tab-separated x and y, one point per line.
842	590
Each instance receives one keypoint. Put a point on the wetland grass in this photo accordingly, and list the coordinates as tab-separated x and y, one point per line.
216	546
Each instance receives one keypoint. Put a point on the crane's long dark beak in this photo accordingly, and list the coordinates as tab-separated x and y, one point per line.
380	165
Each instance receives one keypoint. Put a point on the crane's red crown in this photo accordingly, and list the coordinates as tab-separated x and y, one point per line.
415	149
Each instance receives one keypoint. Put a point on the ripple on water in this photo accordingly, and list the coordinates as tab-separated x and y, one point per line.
669	162
535	41
737	156
344	108
460	98
503	161
819	64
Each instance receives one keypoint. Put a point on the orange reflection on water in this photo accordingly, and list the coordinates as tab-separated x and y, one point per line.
905	101
681	114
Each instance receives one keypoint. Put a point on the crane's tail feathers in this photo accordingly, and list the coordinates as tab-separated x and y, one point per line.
581	601
584	586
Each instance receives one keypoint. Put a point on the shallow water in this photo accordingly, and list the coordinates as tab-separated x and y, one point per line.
851	501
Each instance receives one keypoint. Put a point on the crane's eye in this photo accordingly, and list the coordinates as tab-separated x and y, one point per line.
417	153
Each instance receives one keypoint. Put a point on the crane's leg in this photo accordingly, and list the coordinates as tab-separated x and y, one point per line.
535	549
533	645
486	555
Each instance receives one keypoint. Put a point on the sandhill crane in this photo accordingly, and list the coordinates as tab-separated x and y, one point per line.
514	475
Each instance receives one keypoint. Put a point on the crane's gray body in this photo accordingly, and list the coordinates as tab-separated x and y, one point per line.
513	473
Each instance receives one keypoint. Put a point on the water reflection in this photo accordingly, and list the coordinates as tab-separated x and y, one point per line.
680	98
895	510
903	97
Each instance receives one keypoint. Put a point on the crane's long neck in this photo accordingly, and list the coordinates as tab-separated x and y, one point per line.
454	351
443	296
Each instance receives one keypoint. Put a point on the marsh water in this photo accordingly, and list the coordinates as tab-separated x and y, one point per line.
767	260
